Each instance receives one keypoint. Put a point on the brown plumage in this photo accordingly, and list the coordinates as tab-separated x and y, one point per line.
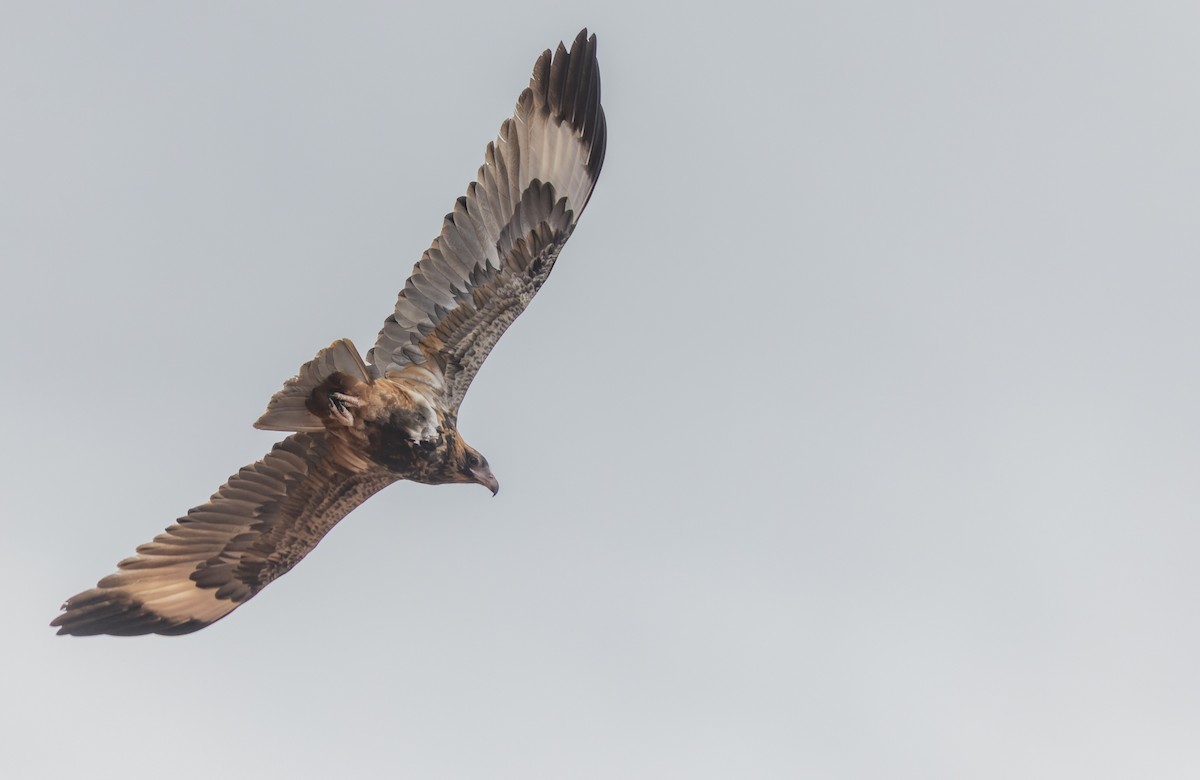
358	426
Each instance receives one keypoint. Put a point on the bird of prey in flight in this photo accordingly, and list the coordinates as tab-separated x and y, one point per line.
358	426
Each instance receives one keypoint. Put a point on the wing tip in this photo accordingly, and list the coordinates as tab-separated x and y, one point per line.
567	84
115	613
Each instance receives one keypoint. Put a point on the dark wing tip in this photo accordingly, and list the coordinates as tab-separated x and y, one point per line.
107	611
567	84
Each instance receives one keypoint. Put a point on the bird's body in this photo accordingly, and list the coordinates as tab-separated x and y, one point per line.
358	426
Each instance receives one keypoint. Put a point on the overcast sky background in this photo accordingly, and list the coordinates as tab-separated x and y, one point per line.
856	434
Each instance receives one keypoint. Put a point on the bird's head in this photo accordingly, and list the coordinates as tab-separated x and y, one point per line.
474	468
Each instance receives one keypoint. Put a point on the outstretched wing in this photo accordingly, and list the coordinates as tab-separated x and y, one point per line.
500	243
258	526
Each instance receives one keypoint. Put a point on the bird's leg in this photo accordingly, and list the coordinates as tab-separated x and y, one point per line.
337	406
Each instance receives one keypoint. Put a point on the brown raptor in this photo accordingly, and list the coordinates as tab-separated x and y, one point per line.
358	426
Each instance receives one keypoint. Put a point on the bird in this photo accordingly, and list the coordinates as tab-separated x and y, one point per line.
358	425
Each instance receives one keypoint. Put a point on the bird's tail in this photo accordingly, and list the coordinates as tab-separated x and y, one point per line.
289	408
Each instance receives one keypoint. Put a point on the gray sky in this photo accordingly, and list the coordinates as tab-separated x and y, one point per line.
855	435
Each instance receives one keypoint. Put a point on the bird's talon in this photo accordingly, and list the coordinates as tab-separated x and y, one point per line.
337	406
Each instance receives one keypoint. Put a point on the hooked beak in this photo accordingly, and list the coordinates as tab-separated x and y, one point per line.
483	475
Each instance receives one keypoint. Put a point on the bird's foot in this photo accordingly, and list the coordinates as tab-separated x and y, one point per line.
338	403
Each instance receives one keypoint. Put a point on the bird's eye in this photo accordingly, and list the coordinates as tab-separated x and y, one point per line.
472	460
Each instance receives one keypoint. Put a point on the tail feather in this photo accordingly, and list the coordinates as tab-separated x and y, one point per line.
288	409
